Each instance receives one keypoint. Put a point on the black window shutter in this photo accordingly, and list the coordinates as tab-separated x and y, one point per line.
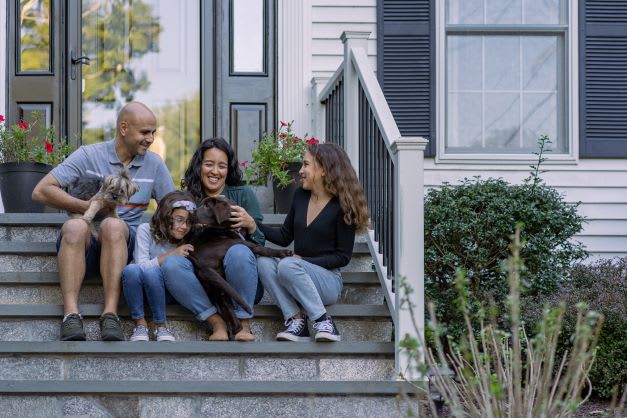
603	78
406	64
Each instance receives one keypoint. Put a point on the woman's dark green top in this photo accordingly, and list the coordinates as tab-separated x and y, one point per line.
245	197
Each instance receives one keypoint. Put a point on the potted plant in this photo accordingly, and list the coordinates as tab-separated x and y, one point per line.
25	158
279	156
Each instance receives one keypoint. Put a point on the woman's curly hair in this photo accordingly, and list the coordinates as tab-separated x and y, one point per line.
341	180
192	181
161	219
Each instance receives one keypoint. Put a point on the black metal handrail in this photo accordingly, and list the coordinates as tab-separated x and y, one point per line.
376	173
334	114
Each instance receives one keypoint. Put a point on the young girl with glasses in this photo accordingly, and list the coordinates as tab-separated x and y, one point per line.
162	237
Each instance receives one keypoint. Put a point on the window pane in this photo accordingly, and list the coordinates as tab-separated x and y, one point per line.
503	11
544	12
248	36
465	65
540	63
540	118
502	120
34	22
502	62
464	122
464	12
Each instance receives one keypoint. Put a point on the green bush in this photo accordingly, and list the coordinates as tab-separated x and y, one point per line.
469	226
603	287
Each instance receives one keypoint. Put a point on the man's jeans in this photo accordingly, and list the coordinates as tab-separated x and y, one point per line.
292	281
136	282
240	269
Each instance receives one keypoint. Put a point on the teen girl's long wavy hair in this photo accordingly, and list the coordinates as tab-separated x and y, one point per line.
341	180
192	181
161	219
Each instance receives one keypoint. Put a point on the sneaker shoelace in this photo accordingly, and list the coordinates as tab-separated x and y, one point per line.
294	326
324	326
163	331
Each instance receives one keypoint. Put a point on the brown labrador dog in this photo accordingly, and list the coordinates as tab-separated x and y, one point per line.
211	241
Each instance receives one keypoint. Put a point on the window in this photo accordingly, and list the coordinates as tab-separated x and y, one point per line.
506	76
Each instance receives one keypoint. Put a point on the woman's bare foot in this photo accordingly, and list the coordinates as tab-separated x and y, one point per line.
219	332
245	334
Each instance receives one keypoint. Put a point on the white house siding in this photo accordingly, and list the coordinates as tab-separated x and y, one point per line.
309	46
600	186
3	63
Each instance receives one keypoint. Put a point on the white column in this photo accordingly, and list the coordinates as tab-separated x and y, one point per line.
351	40
409	240
317	109
3	69
294	63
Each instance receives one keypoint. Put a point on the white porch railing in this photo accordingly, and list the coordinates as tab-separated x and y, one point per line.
356	116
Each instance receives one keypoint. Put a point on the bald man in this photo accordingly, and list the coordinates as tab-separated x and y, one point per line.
79	252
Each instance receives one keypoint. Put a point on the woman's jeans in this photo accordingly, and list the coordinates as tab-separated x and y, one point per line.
136	282
240	269
292	281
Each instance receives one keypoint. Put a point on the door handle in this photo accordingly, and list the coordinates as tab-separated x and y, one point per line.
82	60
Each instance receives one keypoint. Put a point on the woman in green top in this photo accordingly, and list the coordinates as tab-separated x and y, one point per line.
214	170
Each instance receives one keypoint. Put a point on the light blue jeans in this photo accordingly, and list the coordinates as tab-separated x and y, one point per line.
240	270
136	282
292	281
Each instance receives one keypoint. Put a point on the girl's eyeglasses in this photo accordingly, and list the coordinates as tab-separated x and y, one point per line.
180	221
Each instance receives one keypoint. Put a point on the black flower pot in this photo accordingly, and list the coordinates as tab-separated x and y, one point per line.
17	181
283	195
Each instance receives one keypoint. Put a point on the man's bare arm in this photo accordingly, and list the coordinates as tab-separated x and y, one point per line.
49	192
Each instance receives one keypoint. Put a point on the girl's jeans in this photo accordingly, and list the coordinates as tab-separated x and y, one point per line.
137	281
292	281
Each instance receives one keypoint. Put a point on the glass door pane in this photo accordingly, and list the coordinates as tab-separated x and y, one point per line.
145	50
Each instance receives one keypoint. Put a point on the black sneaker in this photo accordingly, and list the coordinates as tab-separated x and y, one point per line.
326	330
110	328
296	330
72	328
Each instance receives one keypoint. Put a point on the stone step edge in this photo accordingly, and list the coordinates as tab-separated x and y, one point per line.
175	311
38	278
50	248
194	347
57	219
353	388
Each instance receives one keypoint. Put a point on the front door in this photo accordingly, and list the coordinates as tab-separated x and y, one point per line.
204	67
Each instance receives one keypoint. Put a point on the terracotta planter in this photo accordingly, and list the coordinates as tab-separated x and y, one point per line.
17	181
283	195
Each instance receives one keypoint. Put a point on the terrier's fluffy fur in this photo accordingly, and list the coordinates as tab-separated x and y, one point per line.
114	190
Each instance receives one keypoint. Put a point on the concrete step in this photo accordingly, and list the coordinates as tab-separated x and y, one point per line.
41	323
209	399
43	288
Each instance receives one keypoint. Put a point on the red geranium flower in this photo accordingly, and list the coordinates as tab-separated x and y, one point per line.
283	124
312	140
23	125
244	163
48	146
282	136
1	118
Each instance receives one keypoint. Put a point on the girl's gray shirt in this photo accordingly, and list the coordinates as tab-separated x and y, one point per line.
147	250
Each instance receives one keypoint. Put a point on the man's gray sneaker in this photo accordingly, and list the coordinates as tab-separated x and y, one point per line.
164	334
110	328
140	333
72	328
296	330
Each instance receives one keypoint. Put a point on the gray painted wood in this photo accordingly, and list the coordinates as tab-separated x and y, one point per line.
194	347
178	312
353	388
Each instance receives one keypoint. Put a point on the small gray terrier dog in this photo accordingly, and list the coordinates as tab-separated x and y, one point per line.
114	190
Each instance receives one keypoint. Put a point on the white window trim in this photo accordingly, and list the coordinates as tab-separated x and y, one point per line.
3	58
572	99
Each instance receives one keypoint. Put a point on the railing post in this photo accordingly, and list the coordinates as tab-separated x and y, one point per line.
352	40
409	242
317	109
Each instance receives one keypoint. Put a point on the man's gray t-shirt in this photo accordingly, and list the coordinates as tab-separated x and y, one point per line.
100	160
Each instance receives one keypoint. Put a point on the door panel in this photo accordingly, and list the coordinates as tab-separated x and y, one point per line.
145	50
245	72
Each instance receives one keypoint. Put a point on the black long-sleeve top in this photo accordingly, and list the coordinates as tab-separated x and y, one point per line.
327	242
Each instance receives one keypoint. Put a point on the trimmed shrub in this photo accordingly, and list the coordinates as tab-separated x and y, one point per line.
469	227
603	287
